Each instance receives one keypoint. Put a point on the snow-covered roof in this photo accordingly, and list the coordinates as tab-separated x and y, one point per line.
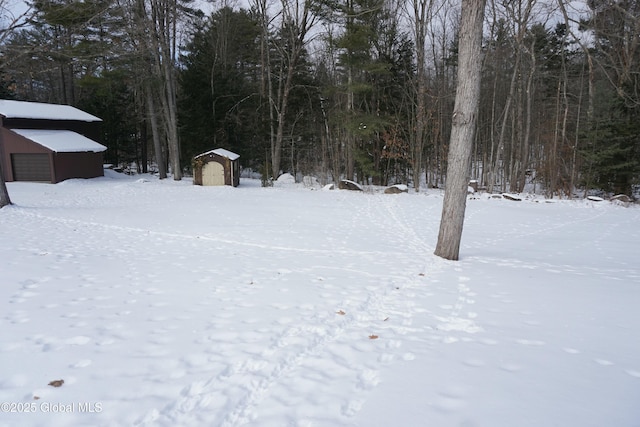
222	152
61	141
38	110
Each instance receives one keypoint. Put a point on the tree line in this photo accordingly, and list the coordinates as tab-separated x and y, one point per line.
355	89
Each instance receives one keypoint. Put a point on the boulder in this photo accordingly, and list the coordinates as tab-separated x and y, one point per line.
396	189
623	198
511	197
346	184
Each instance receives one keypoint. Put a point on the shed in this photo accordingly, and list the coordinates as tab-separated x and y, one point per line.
48	142
216	167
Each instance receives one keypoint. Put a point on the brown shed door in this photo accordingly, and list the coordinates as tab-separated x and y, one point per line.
31	167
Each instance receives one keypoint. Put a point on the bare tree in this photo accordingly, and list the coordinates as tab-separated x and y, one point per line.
163	25
463	127
519	14
14	22
298	18
153	30
266	82
421	13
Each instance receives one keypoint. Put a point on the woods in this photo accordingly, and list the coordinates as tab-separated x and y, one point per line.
354	89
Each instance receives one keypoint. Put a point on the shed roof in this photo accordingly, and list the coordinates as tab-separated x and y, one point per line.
61	141
38	110
222	152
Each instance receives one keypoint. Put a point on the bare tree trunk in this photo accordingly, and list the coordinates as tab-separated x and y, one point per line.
4	193
163	22
297	19
591	91
553	156
276	153
503	127
266	84
14	23
463	127
349	138
526	137
139	32
421	12
155	134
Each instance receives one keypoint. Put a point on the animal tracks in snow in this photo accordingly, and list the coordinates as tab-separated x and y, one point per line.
254	317
297	354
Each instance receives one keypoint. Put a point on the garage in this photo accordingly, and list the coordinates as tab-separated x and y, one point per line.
48	142
31	167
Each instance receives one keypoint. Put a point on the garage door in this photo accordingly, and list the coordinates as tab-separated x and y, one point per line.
31	167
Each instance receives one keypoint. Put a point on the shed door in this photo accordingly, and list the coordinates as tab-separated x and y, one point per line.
31	167
213	174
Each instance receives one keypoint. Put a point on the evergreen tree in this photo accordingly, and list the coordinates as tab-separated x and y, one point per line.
611	150
219	102
612	144
111	97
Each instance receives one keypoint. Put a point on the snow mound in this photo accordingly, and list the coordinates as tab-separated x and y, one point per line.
286	179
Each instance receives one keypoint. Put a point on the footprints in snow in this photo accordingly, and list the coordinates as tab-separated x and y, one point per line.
456	320
459	324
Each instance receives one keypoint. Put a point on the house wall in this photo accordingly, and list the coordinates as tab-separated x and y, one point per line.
77	165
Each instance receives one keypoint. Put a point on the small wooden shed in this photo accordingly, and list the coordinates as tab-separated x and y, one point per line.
217	167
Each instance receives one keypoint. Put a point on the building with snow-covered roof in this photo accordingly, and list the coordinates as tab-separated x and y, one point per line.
48	142
217	167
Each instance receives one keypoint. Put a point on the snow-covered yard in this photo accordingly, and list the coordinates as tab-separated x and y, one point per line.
168	304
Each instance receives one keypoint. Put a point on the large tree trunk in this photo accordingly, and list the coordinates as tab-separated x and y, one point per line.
463	127
4	193
266	83
276	153
155	132
163	23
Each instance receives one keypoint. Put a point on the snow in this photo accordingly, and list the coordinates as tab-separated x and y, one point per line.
61	141
286	179
353	184
226	153
222	152
401	187
160	303
38	110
